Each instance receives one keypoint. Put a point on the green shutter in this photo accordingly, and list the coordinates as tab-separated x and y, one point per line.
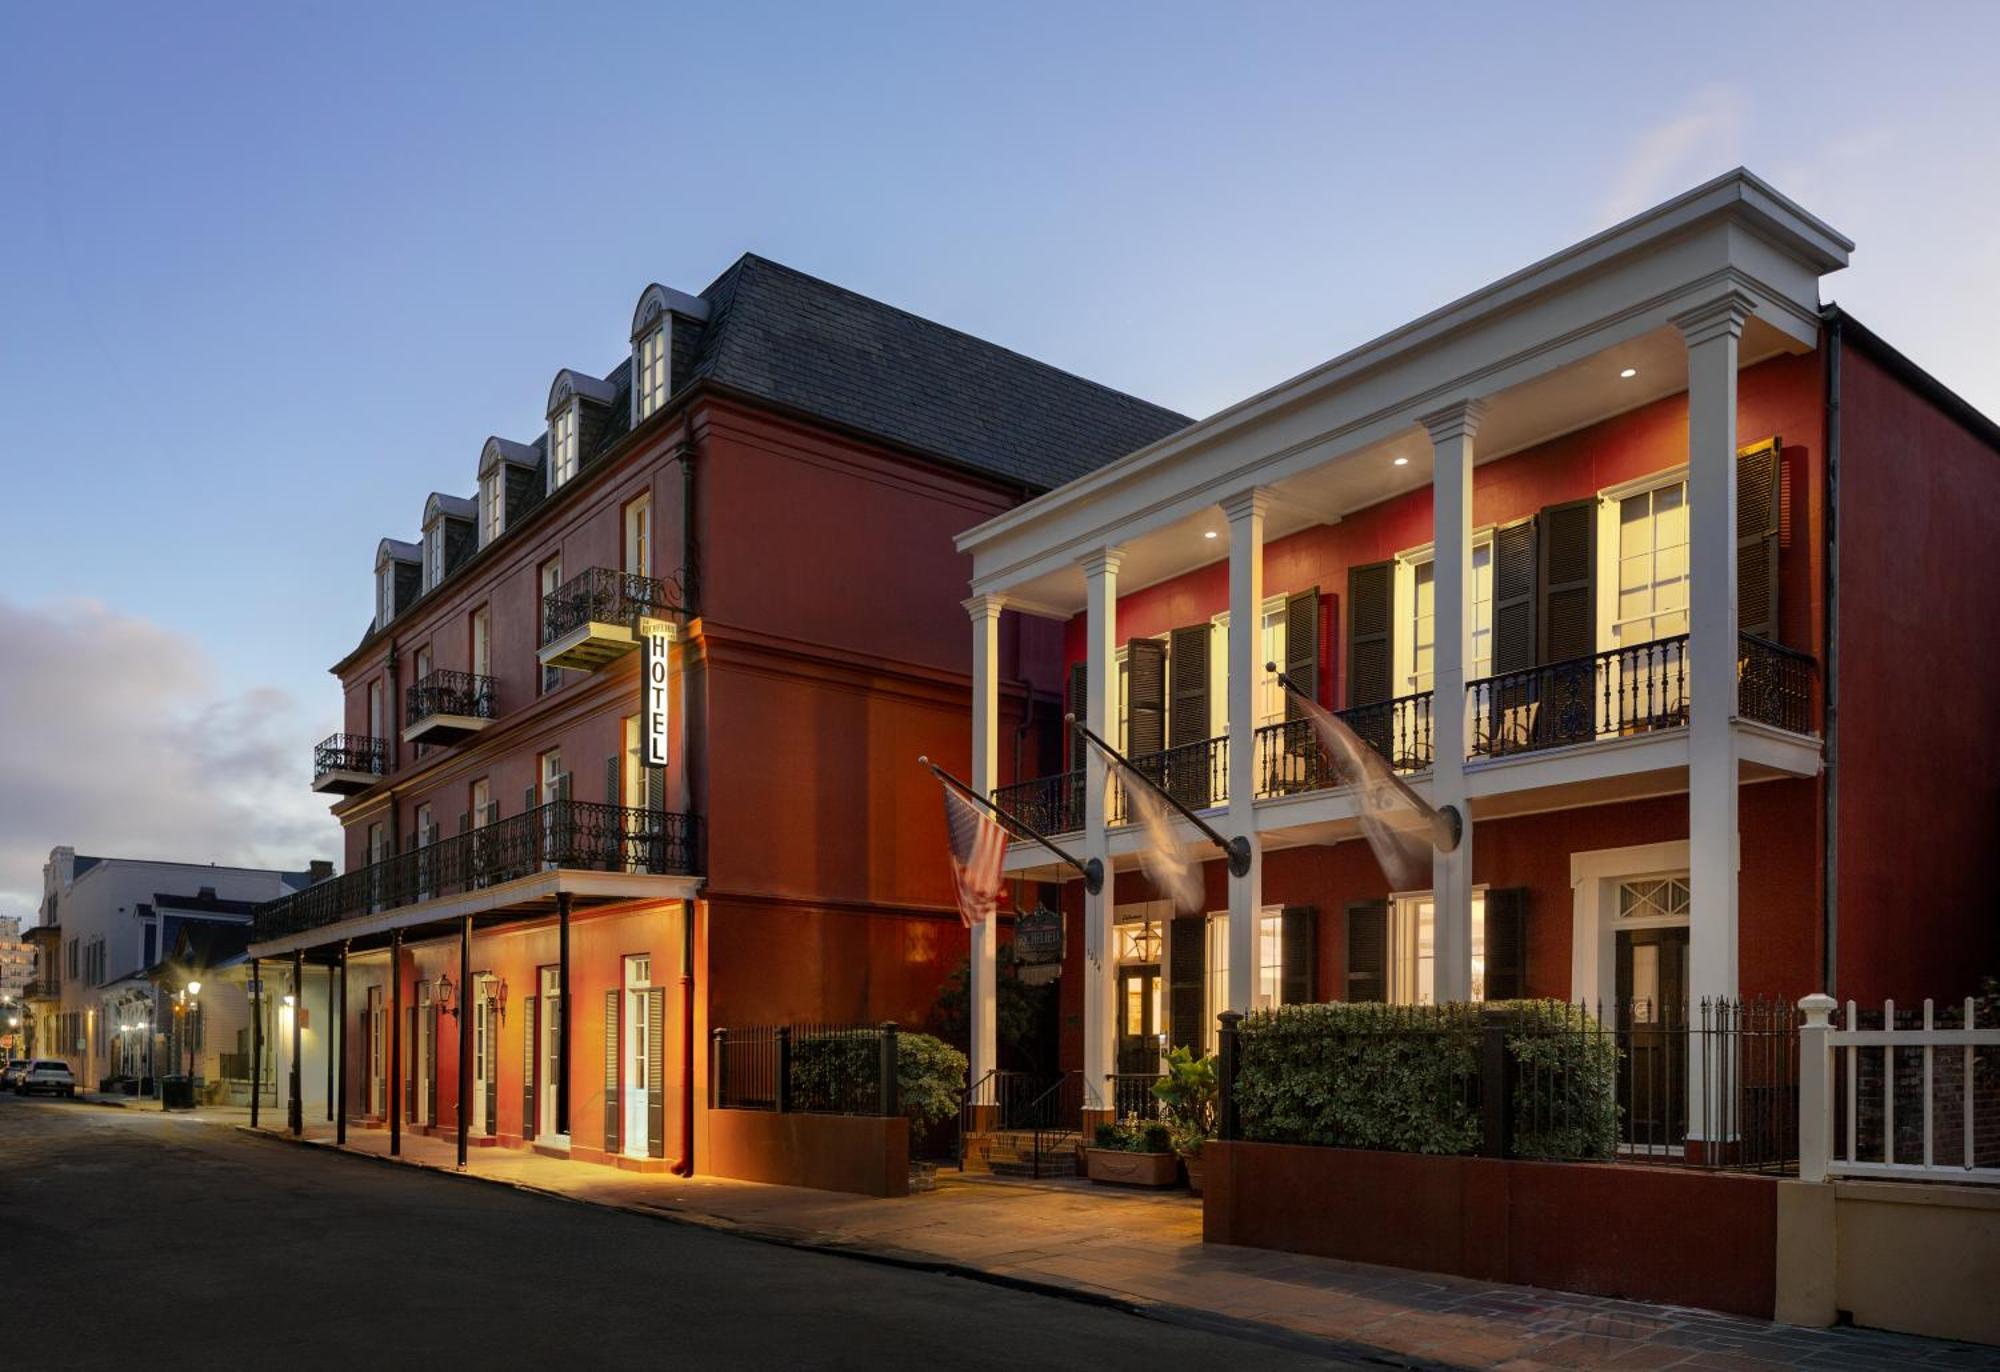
1758	525
1371	595
656	1072
611	1071
431	1056
492	1068
528	1112
1146	687
1187	959
1368	950
1507	944
1568	621
1298	951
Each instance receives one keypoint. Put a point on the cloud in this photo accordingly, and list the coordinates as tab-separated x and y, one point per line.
118	742
1704	140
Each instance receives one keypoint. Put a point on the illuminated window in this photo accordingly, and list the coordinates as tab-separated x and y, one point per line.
652	351
493	504
1660	898
1413	950
1652	564
562	445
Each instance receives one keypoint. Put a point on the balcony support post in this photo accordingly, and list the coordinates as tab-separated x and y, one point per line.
256	1036
1452	431
1712	333
297	1082
1100	574
468	1005
559	1021
340	1070
982	988
1245	512
396	1043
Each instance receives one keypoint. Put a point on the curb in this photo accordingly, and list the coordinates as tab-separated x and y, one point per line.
1185	1316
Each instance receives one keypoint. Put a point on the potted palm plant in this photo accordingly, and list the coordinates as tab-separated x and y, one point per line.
1186	1092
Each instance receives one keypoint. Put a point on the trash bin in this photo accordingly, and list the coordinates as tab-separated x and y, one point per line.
177	1093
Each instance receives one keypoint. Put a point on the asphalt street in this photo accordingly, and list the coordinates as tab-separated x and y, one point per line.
140	1239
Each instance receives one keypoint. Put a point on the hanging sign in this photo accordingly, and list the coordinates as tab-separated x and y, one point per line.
656	639
1038	936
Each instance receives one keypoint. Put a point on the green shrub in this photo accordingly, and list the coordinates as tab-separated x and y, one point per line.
1133	1136
1406	1079
929	1075
1187	1092
1565	1082
841	1074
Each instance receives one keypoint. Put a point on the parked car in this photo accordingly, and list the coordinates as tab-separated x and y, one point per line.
46	1074
10	1075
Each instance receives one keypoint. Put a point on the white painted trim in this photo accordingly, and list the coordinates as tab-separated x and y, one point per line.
1593	969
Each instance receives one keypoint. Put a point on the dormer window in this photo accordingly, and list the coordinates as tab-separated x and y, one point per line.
492	505
434	555
651	353
562	445
385	593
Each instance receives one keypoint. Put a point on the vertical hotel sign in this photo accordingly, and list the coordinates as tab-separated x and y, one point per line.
657	640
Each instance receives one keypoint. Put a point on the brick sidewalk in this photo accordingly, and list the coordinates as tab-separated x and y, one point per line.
1144	1250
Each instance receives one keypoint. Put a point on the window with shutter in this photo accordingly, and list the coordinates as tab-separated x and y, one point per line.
1506	946
1567	625
1192	782
431	1057
1301	662
1759	527
1514	597
1298	956
1187	937
611	1071
492	1068
1371	594
1146	697
529	1111
1368	950
656	1073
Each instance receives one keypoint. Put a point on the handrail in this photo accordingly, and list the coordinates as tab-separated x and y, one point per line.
444	692
965	1106
1046	1126
609	596
350	753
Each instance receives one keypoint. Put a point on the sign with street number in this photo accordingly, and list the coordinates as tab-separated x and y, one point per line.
656	638
1038	936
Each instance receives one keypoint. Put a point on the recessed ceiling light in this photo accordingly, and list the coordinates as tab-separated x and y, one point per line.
1402	462
1209	534
1629	373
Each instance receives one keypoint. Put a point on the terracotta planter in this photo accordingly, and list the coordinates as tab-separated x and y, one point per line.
1192	1161
1118	1168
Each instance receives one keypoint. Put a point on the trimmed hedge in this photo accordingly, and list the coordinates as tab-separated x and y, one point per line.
1406	1078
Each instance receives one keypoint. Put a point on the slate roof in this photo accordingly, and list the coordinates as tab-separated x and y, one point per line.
779	335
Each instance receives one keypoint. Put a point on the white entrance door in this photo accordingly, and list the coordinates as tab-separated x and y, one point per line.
638	1033
482	1056
378	1047
420	1040
550	1051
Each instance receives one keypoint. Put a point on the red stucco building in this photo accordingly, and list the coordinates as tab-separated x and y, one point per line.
773	477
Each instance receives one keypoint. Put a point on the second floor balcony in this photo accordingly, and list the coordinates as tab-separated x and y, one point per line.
593	618
503	866
1624	693
348	764
448	707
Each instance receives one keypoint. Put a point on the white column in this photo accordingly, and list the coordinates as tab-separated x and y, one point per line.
1245	512
1100	574
1452	430
1712	333
984	611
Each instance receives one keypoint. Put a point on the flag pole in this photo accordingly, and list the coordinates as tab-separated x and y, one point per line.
1448	814
1237	850
1093	870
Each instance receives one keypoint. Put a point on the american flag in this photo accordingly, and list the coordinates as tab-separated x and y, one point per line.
978	845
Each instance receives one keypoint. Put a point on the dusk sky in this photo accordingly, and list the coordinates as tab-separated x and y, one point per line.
273	273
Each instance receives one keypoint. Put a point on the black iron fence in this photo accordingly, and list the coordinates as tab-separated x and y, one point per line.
1130	1095
604	596
1774	684
1627	690
820	1069
350	753
564	833
1644	1084
450	693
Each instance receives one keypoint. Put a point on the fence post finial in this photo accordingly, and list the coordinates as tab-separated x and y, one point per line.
1815	1087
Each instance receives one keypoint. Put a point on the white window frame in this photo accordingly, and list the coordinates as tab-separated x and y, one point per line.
385	592
1266	989
563	426
1405	979
1595	877
1610	501
481	630
434	555
638	537
650	357
493	504
1405	606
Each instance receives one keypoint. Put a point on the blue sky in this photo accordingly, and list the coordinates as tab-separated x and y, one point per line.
274	272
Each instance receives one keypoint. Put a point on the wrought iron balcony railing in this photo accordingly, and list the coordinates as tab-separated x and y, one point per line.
1048	805
603	596
1611	694
1774	684
351	753
572	834
1195	774
1290	760
460	694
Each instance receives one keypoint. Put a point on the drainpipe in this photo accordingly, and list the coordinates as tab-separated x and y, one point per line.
395	717
683	1166
1830	682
